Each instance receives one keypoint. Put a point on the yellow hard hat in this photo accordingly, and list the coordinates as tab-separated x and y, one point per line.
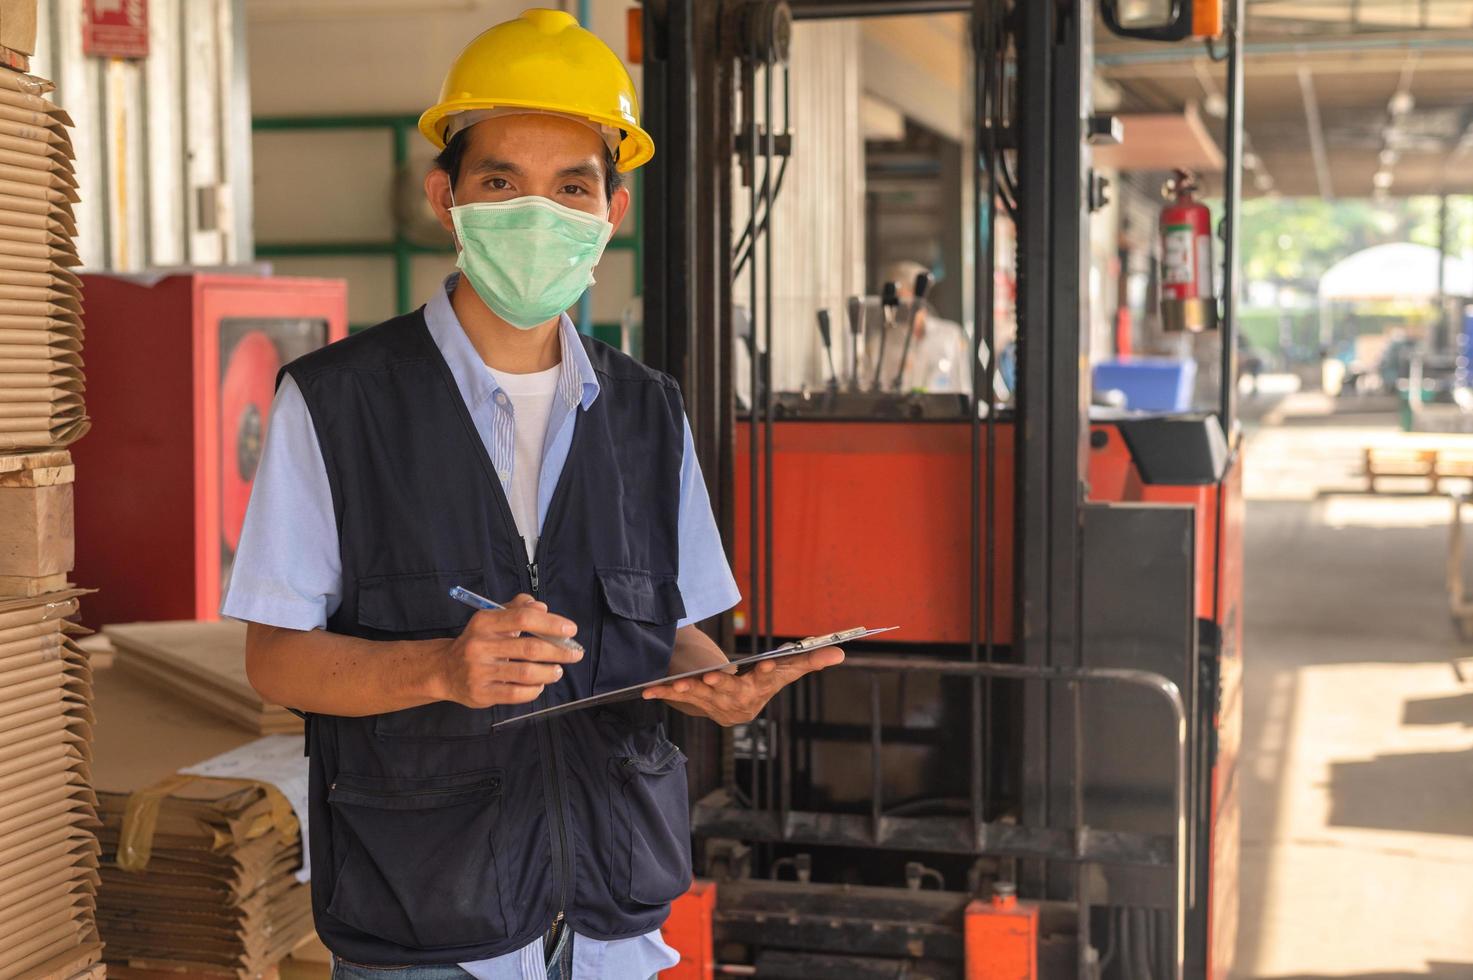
545	62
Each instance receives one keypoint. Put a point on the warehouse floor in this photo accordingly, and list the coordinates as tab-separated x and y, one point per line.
1358	746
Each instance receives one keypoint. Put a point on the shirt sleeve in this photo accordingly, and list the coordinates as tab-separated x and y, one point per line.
288	569
706	584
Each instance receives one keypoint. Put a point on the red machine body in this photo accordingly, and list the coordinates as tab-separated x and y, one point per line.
873	523
180	377
853	497
1188	297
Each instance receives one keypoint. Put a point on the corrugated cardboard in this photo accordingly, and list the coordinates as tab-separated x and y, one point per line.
75	964
218	893
48	811
204	663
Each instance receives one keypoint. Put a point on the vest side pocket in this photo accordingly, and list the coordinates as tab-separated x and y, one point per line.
651	819
640	611
420	867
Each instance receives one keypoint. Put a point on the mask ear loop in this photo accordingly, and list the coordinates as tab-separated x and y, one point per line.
453	236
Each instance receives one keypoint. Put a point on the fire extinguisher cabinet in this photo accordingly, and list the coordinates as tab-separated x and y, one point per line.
180	376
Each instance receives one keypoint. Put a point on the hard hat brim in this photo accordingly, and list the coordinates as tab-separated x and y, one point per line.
635	150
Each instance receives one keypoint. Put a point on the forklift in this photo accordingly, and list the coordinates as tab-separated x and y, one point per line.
1036	777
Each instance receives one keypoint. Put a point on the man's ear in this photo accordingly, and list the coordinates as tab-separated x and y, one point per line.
618	207
437	192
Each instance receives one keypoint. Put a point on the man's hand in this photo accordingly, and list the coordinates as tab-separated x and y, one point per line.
731	699
489	663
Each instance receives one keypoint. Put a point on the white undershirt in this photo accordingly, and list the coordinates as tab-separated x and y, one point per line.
531	398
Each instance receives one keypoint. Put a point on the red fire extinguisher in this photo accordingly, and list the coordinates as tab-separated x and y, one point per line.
1188	300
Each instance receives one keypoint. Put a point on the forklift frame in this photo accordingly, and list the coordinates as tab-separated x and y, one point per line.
696	54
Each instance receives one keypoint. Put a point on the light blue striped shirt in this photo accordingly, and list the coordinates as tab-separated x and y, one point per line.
288	570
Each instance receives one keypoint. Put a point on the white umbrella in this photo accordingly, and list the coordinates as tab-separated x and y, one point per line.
1400	271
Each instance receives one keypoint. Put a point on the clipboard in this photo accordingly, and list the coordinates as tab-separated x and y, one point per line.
742	665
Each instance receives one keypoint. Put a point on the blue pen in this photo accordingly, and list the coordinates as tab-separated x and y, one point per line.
469	598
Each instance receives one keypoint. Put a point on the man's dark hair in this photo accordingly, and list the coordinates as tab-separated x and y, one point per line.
453	155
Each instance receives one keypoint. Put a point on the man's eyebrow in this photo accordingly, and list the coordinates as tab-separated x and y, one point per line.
491	165
589	171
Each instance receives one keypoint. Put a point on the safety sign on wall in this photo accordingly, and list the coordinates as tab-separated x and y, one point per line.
115	28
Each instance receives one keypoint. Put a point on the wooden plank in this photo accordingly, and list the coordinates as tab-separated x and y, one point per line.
212	652
36	531
221	705
48	476
30	461
22	585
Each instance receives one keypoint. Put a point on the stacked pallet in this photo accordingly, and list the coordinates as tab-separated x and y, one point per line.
203	663
48	847
41	383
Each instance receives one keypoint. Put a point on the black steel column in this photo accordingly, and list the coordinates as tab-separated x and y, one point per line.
1232	204
666	201
1031	473
687	260
1053	397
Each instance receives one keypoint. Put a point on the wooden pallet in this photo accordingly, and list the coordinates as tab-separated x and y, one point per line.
1433	464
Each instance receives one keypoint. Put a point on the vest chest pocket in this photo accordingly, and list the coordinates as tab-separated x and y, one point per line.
419	866
651	820
418	606
640	612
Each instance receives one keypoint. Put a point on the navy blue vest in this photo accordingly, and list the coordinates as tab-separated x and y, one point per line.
434	840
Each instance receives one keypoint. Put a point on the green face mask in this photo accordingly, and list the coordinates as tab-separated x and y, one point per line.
529	259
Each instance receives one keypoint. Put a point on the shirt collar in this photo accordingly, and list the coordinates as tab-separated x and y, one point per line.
578	384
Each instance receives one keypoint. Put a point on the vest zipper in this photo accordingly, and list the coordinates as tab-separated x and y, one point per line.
547	732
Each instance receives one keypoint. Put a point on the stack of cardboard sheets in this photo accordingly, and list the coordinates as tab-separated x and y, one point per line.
203	663
41	383
215	891
48	815
214	888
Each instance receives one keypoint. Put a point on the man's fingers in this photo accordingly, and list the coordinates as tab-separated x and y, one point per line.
807	663
529	617
521	648
504	693
524	672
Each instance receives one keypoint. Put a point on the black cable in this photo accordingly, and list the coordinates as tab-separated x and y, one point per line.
1108	956
744	257
1140	926
1127	951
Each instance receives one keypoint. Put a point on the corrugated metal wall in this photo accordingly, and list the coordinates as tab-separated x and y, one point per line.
163	143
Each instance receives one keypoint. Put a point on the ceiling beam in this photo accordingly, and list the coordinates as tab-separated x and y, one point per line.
1316	133
1123	57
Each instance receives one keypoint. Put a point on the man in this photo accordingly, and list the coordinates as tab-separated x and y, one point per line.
481	442
939	348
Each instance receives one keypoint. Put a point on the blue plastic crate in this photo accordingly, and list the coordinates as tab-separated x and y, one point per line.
1150	384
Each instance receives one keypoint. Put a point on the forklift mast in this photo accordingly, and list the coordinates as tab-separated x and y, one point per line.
1058	724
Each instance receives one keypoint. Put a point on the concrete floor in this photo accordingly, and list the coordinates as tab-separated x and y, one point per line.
1357	848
